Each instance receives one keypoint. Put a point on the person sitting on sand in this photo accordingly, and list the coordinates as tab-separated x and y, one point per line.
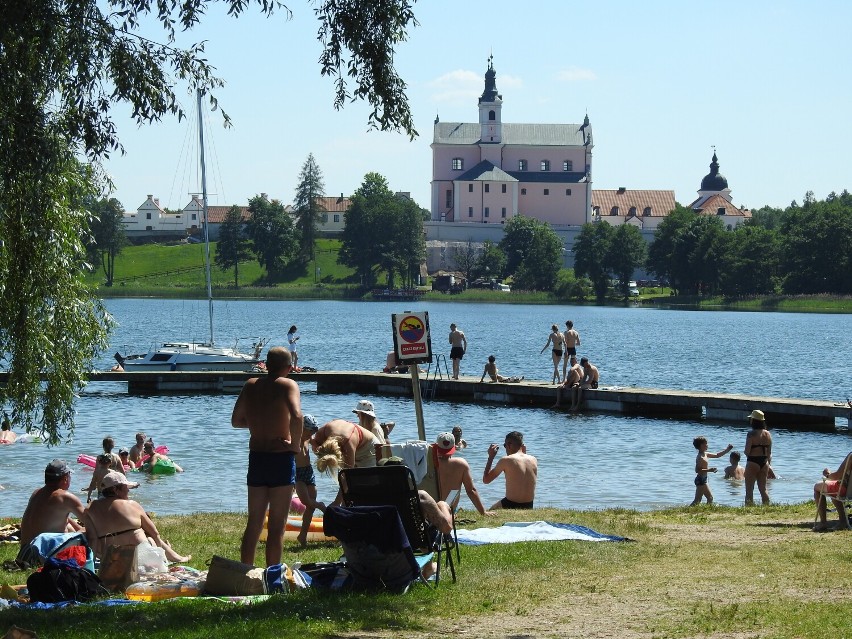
521	472
48	508
454	472
831	486
735	471
117	520
492	372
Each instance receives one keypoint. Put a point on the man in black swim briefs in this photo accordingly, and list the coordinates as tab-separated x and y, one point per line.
521	472
458	343
270	407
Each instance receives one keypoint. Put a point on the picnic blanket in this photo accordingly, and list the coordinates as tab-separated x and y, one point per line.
513	532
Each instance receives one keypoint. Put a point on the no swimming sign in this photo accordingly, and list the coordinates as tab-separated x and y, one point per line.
411	339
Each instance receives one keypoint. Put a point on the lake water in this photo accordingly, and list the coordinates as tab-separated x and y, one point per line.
581	457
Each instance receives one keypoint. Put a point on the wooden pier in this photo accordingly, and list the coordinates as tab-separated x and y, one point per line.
784	412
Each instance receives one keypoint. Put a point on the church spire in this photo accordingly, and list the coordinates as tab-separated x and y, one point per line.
490	93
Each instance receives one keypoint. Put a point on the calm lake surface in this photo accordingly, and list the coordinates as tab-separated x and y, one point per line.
582	458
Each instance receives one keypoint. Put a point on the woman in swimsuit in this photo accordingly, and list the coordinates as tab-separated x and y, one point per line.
758	451
558	341
341	444
116	520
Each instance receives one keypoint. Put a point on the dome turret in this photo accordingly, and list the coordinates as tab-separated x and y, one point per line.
490	93
714	181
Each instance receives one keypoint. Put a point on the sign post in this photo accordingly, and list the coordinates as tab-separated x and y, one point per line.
413	345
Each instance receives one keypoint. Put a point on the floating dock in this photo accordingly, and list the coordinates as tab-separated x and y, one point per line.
654	402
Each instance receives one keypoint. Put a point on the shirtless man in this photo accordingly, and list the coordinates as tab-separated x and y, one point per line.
270	407
521	472
458	343
572	341
136	450
493	373
116	520
50	505
454	472
590	380
571	384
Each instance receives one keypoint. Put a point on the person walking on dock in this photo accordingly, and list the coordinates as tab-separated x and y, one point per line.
292	338
458	343
572	341
558	341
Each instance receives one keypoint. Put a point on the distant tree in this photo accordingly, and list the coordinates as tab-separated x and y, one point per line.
542	260
570	287
410	246
591	249
816	248
750	265
233	246
108	236
492	261
518	235
307	206
661	253
466	258
698	254
273	236
766	217
627	252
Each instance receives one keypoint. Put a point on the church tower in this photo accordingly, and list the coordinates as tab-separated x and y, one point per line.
714	182
490	103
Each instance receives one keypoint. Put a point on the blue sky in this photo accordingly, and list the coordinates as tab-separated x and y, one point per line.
767	83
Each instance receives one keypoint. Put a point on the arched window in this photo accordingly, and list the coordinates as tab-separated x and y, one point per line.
492	116
647	212
632	211
613	210
458	164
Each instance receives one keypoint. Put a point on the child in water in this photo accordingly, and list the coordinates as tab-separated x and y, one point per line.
735	471
702	489
102	463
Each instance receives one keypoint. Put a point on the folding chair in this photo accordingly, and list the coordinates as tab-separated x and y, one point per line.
376	549
395	486
838	491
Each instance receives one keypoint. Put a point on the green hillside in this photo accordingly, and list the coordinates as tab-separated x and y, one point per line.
151	268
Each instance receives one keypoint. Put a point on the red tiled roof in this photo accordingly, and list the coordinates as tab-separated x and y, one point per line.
216	214
712	205
336	204
661	202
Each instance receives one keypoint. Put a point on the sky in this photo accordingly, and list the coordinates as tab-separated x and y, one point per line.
663	83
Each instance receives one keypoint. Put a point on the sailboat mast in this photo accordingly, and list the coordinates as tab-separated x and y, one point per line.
205	216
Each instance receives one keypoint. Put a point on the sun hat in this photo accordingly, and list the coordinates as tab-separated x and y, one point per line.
366	407
310	422
57	469
758	415
113	479
446	444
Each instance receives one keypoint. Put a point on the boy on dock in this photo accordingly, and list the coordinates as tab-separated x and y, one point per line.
702	489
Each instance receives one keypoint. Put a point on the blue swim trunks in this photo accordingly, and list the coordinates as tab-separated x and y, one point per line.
271	470
305	474
700	480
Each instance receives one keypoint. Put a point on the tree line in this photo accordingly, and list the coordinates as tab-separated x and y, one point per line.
803	249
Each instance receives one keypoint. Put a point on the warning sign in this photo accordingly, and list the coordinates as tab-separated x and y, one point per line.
411	337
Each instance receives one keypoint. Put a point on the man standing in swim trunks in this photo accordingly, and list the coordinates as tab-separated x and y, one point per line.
572	341
521	472
270	407
458	348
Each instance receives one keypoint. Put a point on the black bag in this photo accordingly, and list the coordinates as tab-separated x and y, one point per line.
63	581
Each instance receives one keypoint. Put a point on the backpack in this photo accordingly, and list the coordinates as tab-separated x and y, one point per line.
63	581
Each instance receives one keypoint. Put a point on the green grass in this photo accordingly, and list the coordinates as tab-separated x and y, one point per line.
705	571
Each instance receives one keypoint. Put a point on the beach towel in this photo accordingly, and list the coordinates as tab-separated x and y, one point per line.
513	532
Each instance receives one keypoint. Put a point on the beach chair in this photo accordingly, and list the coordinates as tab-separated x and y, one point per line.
377	552
395	486
838	491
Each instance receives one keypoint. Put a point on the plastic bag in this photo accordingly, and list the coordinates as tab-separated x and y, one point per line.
150	560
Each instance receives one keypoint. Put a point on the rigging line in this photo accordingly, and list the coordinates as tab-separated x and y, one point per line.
184	166
218	180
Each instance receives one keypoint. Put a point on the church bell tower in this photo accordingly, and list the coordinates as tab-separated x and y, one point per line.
490	103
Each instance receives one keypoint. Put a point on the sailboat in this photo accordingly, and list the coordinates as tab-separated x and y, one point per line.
197	356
